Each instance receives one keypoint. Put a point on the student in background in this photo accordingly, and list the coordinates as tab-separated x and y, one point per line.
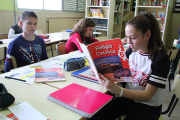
27	48
176	61
149	64
15	30
82	31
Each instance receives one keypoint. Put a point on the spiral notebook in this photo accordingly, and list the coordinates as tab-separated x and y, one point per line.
80	99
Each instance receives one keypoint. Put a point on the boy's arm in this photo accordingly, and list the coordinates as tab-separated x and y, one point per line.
12	34
8	60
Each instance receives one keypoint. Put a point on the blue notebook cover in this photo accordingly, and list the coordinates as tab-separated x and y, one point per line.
76	74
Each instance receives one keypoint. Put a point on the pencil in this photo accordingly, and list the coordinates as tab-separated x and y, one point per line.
15	79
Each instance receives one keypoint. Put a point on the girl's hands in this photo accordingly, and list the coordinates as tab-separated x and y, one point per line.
109	85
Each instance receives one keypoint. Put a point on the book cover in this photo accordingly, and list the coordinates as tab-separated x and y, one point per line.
108	58
85	74
49	74
80	99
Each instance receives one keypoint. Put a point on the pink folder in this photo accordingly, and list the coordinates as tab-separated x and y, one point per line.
80	99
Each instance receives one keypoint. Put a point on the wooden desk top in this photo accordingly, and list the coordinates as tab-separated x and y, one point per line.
56	37
70	79
36	95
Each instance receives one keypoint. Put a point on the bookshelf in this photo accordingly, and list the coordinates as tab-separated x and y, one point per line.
159	9
108	16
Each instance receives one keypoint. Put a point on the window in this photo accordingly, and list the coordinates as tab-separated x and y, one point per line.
52	4
58	5
30	4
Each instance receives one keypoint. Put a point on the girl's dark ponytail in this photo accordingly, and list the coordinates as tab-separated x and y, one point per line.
147	22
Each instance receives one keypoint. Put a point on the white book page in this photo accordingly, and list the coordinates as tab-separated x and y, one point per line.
88	56
24	111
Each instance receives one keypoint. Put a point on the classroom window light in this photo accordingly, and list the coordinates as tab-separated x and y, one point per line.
57	5
52	4
30	4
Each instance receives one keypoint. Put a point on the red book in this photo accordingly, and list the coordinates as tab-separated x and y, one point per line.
49	74
80	99
108	58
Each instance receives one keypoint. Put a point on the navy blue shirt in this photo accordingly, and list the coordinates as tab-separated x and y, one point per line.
25	52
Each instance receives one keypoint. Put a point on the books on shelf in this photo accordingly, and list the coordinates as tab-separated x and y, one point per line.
153	2
108	58
96	13
160	15
80	99
49	74
99	2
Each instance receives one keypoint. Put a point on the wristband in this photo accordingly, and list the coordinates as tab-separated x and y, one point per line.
121	94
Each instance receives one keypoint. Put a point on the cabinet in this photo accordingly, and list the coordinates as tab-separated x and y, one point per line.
108	16
160	9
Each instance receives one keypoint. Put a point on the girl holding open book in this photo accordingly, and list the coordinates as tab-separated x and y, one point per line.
149	64
82	31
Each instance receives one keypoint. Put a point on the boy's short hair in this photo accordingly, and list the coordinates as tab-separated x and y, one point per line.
26	14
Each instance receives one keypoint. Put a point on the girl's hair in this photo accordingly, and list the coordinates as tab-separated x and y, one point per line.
81	26
147	22
26	14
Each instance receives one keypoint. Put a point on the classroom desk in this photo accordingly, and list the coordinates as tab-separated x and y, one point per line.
58	36
55	38
5	42
71	79
36	95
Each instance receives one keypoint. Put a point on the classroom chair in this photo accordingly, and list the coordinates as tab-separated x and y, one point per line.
14	62
175	89
172	56
60	47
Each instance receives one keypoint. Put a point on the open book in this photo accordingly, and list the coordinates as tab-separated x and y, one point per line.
49	74
108	58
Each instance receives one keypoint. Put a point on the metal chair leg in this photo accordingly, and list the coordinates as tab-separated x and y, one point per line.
173	107
170	105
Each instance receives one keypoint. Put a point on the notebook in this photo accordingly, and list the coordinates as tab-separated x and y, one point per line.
80	99
85	74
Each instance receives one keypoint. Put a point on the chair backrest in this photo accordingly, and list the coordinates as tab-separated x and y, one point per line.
175	88
3	35
14	62
60	47
173	54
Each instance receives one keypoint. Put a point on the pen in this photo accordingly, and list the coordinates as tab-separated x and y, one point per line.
15	79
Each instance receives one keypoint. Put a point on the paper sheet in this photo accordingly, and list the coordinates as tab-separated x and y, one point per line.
24	111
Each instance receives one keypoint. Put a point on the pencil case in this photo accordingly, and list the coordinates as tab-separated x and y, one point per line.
74	64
